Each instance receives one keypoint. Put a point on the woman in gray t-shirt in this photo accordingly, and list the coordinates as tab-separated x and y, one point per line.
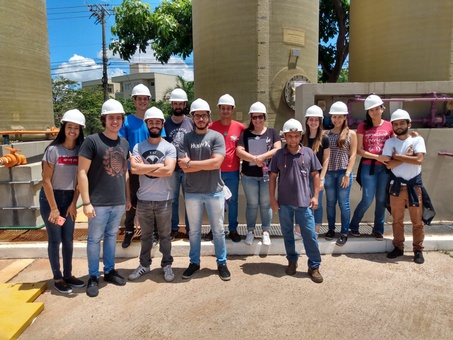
59	195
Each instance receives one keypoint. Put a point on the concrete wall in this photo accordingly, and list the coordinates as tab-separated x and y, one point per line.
250	55
25	82
404	40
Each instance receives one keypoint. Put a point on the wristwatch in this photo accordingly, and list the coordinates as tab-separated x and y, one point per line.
188	164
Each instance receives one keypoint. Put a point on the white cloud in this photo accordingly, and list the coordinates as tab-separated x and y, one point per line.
79	68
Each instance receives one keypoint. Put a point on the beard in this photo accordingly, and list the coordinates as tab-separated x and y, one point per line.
401	133
178	112
201	125
155	134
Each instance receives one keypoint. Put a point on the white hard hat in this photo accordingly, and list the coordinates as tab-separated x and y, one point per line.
314	111
74	116
292	125
112	106
153	112
178	95
372	101
258	107
338	108
400	114
140	90
200	105
226	99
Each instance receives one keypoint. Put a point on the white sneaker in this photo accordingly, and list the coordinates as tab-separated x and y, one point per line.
249	238
139	271
168	273
266	238
297	236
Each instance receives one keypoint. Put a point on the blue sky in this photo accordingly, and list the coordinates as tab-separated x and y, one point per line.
75	42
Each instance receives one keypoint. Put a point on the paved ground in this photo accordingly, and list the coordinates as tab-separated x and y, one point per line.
364	296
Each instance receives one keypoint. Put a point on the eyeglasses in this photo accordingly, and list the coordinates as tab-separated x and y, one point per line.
257	117
200	117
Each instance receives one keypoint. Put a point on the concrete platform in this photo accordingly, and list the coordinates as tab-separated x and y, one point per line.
439	236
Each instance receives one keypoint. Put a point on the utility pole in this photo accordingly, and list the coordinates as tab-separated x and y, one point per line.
99	11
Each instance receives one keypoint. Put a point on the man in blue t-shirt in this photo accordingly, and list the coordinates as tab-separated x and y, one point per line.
135	131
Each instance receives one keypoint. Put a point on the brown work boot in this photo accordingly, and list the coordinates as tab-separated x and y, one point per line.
291	269
315	275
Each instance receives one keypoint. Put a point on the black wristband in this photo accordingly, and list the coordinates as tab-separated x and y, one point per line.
86	204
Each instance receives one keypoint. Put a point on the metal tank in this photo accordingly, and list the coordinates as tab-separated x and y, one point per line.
255	50
404	40
25	81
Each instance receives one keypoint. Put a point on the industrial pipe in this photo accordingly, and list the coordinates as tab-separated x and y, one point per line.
12	159
433	119
54	131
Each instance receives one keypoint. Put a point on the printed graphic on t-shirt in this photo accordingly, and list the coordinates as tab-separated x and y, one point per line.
177	136
114	162
68	160
375	141
153	157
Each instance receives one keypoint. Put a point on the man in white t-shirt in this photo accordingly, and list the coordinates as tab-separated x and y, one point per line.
405	156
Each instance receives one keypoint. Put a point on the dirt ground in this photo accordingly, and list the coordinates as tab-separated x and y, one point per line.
363	296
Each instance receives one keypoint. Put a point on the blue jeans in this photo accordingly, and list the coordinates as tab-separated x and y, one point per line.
178	179
372	186
104	225
319	211
257	194
304	217
215	205
334	193
57	235
157	213
231	180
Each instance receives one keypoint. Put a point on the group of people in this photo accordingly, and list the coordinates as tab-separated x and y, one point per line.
140	162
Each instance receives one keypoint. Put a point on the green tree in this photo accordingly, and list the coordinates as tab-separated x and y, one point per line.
333	26
67	95
169	28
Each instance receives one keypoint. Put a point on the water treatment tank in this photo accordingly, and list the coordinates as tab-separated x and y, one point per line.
402	40
255	50
25	81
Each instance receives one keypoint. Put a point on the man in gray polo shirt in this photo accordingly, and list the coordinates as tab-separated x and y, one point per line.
293	165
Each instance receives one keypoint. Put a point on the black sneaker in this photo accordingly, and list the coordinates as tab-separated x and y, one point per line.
234	236
93	286
224	273
127	239
115	278
190	270
354	233
208	236
418	257
396	252
173	234
62	287
74	282
342	240
330	235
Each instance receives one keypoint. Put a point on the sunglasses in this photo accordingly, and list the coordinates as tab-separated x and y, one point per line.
257	117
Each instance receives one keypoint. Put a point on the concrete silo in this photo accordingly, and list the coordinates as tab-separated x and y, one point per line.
255	50
25	81
404	40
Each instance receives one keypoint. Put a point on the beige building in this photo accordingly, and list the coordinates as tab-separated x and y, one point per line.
158	83
112	88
